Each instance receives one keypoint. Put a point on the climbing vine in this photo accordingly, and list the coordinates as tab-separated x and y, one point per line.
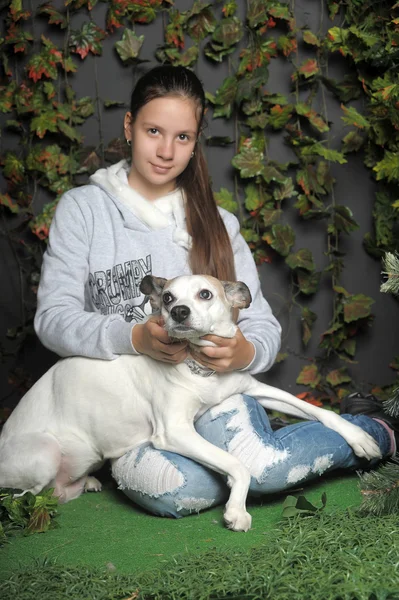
41	110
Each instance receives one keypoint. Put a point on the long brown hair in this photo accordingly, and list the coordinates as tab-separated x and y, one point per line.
211	252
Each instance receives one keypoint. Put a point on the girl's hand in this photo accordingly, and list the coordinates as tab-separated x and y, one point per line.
229	354
151	339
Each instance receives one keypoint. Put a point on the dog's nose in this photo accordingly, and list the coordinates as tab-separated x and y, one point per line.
180	313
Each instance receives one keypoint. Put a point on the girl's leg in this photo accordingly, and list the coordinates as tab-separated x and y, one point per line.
167	484
278	460
171	485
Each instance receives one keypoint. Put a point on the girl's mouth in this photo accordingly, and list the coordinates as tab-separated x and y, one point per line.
159	169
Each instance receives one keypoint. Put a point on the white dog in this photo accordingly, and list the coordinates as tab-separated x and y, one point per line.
84	411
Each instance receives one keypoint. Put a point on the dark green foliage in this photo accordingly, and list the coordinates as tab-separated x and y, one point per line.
322	557
33	514
380	490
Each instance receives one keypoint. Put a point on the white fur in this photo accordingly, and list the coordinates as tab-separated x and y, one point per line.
84	411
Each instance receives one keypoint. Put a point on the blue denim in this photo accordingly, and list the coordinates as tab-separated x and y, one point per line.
167	484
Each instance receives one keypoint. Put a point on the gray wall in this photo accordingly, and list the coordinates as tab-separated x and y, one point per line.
354	188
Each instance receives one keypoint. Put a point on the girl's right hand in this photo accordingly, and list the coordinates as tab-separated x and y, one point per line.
151	339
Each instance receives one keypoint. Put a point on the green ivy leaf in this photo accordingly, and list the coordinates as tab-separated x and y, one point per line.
270	216
44	63
310	376
228	32
7	201
352	142
87	39
284	190
270	173
47	121
320	150
357	307
253	198
343	219
144	11
308	283
307	320
200	21
388	167
280	357
225	199
229	8
226	35
55	17
349	347
69	131
174	34
309	68
130	45
281	238
113	104
346	90
250	235
177	58
353	117
287	44
313	117
280	11
310	38
249	162
279	116
225	98
247	85
13	167
258	121
338	376
301	259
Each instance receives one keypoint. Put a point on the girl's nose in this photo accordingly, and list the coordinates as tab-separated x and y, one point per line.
165	149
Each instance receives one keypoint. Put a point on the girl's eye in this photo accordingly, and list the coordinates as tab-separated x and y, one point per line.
183	137
153	131
167	298
205	295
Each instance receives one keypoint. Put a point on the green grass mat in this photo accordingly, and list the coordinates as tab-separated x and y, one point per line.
337	556
103	529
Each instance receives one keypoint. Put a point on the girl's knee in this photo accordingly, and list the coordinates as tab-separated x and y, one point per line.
166	484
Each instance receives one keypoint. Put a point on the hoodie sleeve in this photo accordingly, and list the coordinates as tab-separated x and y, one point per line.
61	321
257	323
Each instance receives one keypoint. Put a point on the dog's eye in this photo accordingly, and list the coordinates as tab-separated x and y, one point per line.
167	298
205	295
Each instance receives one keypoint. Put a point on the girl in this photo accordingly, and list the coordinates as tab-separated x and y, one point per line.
156	214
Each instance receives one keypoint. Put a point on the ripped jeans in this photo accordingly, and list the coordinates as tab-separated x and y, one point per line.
170	485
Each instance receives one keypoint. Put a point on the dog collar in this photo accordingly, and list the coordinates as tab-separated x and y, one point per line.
198	369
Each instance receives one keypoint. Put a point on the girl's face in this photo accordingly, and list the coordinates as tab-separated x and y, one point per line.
163	138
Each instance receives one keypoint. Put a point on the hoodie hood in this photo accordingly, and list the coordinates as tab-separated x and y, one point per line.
156	214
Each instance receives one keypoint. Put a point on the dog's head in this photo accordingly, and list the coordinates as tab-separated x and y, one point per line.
195	305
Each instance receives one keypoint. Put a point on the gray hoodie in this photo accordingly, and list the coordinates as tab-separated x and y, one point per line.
103	240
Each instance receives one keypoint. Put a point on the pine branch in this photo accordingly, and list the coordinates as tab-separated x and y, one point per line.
391	406
391	266
380	490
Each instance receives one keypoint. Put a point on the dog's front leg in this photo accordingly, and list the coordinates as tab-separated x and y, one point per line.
272	398
184	440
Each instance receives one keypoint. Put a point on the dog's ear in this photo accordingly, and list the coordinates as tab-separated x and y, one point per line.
237	293
153	287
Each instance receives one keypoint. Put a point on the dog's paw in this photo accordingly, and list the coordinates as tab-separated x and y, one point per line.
92	485
237	519
364	445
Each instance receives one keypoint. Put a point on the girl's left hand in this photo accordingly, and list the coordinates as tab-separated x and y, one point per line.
229	354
